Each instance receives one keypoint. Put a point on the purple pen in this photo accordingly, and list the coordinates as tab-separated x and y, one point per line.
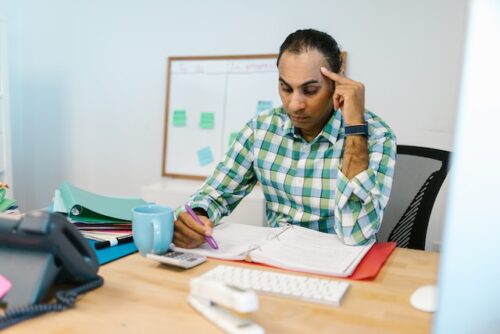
210	240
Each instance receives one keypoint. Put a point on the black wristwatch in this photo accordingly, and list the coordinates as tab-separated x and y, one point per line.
360	129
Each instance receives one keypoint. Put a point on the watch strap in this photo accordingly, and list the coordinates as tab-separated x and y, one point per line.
359	129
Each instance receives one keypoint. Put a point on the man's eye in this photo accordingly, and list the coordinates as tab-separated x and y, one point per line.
310	91
286	89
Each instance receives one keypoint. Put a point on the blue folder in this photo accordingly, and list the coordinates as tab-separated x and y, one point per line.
109	254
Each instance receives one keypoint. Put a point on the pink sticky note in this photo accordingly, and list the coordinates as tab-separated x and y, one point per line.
5	286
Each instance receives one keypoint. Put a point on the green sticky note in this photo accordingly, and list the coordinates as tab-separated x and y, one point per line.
207	120
232	137
179	118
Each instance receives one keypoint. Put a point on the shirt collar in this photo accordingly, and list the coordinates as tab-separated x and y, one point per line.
330	131
288	128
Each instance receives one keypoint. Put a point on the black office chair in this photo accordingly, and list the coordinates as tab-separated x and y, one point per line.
419	174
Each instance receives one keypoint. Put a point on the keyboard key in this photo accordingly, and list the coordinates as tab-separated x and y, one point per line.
316	290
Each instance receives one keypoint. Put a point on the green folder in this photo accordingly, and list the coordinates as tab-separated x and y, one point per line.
85	206
6	203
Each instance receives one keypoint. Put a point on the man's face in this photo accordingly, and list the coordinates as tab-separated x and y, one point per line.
306	94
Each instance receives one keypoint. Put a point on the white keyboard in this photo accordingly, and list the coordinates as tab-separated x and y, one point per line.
316	290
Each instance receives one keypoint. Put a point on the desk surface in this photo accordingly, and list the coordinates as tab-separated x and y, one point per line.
142	296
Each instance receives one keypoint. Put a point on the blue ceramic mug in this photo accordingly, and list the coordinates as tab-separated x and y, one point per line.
153	228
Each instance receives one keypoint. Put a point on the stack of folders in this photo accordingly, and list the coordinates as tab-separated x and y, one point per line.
7	205
97	217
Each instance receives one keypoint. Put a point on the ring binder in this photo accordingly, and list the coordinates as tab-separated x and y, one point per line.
288	247
86	206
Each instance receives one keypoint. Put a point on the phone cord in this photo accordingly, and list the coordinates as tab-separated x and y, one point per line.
64	299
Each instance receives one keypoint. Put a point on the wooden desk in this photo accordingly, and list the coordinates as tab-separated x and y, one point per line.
142	296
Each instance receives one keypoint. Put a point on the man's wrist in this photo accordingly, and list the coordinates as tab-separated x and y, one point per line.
354	118
356	121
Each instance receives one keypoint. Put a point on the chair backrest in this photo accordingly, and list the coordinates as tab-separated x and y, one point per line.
418	176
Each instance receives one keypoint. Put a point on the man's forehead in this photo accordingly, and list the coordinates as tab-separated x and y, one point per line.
296	69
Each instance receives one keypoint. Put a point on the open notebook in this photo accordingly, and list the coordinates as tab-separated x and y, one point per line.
288	247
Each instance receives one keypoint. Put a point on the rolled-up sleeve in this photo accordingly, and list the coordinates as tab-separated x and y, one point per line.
360	202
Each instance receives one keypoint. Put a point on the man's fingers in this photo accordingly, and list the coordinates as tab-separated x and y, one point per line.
192	224
208	224
181	240
338	100
187	244
188	233
182	227
335	77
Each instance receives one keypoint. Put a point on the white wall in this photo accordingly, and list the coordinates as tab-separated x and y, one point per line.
5	144
88	77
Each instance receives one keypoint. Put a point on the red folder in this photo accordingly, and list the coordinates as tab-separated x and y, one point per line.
369	267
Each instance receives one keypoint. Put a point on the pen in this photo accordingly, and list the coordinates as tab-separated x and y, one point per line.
210	240
116	241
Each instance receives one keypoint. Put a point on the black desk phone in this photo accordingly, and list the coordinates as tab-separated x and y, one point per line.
38	250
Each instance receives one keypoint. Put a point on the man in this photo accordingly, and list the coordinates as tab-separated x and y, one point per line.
324	162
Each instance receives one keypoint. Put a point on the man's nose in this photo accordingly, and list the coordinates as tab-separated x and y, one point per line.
296	102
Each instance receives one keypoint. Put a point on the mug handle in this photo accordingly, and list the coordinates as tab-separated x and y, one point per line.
156	235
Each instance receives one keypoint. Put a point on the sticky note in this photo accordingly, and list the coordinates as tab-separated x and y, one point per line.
179	118
263	105
232	137
5	286
207	120
205	156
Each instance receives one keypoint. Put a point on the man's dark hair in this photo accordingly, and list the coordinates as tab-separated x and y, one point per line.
310	39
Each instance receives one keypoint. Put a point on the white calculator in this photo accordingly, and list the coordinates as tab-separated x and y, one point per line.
178	259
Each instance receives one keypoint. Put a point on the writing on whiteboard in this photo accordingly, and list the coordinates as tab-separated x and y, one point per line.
223	67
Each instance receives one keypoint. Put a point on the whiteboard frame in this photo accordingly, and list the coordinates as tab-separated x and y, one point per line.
170	60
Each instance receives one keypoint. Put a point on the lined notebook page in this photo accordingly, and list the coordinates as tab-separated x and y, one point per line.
234	240
303	249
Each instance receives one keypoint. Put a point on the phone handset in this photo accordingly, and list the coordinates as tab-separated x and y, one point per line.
38	249
35	251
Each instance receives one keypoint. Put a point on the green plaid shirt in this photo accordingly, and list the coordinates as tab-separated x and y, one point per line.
302	182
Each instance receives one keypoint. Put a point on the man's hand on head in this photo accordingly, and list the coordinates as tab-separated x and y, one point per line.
349	96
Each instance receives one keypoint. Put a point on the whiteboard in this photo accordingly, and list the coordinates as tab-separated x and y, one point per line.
209	100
